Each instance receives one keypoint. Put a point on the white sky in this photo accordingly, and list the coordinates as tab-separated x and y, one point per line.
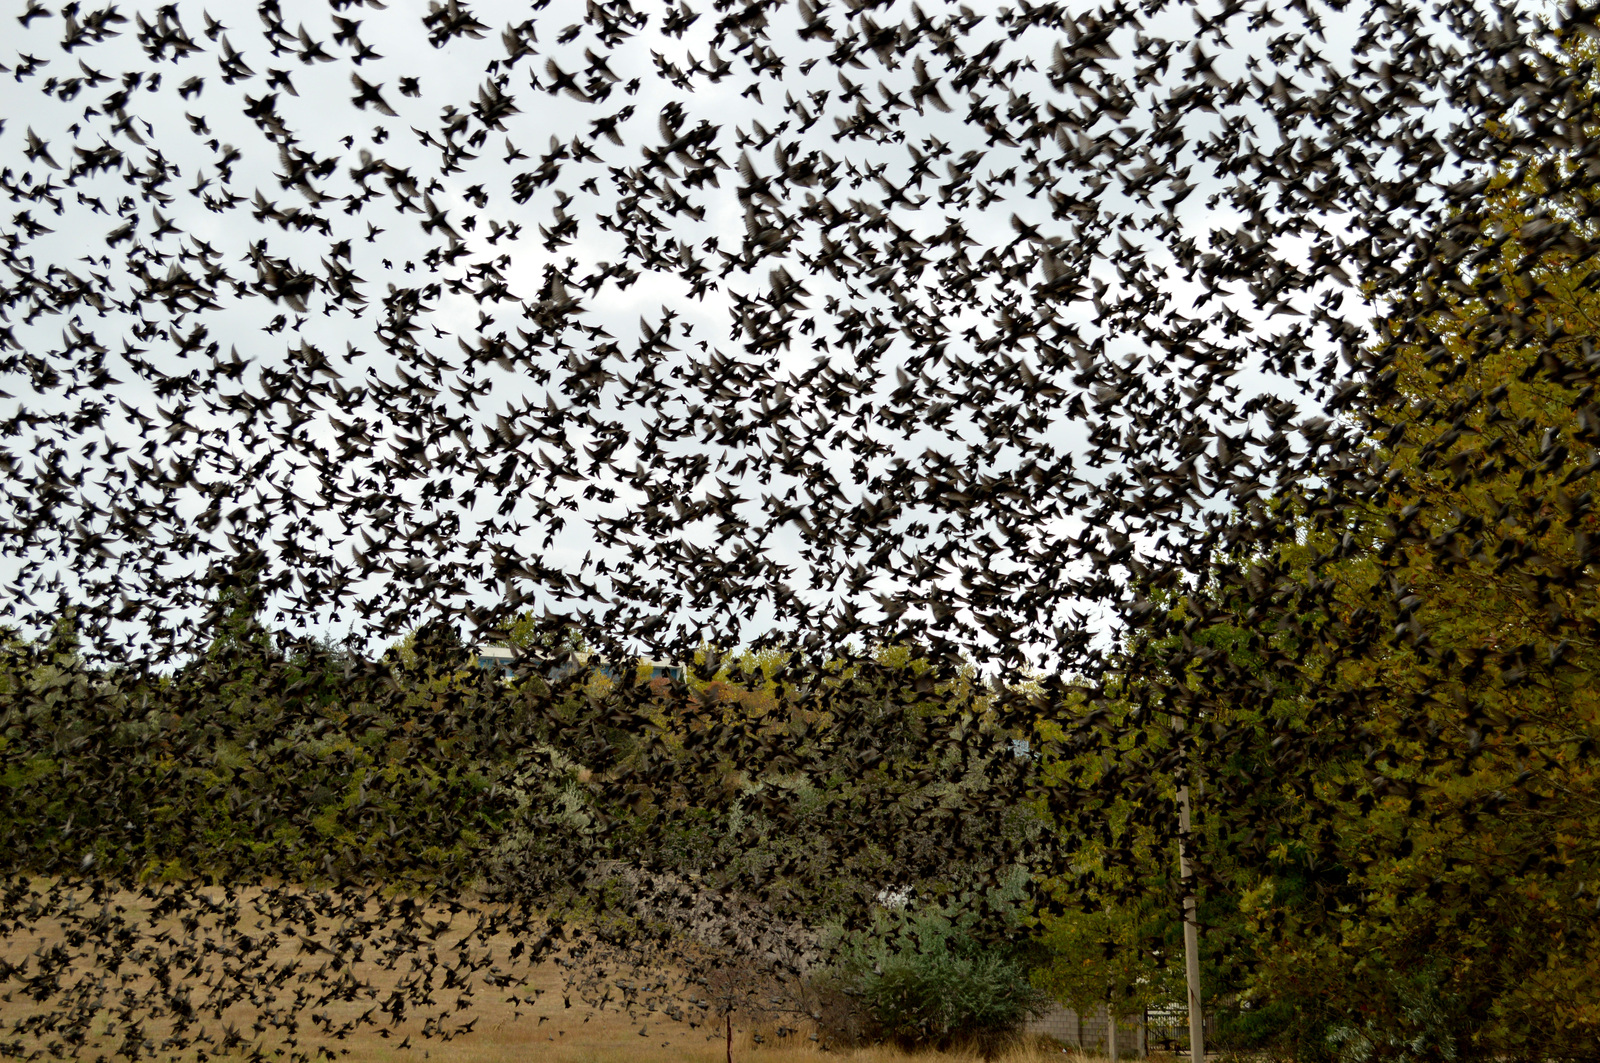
320	116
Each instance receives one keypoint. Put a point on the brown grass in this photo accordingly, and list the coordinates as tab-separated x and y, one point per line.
472	1021
744	1051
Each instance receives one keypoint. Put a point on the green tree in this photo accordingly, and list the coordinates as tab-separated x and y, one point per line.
1420	840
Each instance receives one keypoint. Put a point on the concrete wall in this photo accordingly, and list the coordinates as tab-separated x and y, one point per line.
1088	1032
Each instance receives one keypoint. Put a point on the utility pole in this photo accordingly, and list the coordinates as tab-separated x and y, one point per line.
1191	924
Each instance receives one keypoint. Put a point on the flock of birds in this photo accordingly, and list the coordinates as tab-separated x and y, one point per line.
1009	310
967	328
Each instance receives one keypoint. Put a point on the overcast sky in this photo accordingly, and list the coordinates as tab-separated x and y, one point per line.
194	121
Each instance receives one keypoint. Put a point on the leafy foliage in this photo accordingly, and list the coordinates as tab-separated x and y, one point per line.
922	980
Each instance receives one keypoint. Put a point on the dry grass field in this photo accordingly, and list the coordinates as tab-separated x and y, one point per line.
297	975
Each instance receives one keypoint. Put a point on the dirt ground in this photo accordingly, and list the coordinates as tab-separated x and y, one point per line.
295	976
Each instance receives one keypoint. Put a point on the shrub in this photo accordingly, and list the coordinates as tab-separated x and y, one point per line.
918	981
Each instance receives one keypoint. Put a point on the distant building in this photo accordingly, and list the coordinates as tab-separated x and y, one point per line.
496	658
501	659
664	670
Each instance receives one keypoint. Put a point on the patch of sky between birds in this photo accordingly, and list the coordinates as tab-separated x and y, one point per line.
193	131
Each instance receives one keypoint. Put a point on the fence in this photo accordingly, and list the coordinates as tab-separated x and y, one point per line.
1136	1034
1088	1032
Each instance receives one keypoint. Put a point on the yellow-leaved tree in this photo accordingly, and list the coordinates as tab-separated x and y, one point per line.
1450	622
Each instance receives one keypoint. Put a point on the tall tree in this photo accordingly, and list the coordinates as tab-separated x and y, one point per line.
1425	890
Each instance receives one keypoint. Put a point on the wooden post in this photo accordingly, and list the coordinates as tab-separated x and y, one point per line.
1191	924
1191	935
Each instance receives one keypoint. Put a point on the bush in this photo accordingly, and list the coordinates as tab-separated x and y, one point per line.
1414	1019
920	982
